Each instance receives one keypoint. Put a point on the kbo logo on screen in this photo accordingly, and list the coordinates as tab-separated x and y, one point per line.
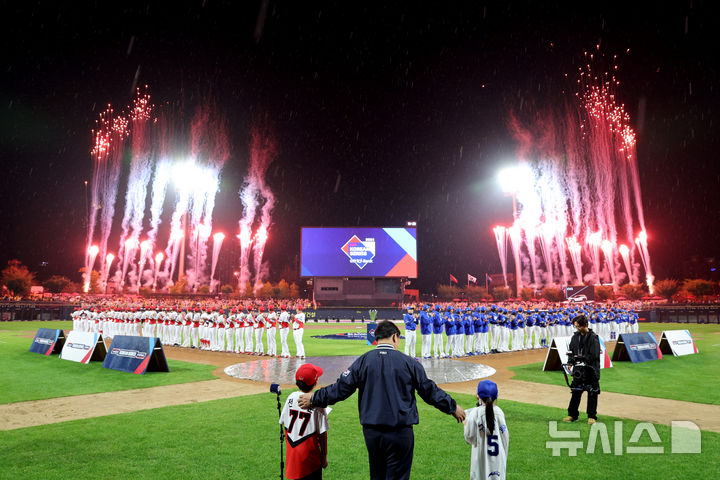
360	252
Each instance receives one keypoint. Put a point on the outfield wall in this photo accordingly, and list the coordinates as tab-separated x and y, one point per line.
353	314
12	311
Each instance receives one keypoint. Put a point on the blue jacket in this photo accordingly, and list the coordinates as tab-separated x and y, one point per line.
437	323
426	323
449	324
468	326
386	380
410	321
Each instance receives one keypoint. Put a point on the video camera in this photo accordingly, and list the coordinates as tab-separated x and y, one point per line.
580	372
577	367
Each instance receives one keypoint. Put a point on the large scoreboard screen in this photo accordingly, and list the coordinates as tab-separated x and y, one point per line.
358	252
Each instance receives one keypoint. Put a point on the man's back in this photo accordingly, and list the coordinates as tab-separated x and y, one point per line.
387	380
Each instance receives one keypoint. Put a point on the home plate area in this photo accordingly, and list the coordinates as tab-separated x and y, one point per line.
282	370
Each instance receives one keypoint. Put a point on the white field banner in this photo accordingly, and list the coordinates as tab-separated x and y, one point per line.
680	342
79	346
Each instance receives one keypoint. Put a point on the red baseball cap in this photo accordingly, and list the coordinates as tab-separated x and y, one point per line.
308	373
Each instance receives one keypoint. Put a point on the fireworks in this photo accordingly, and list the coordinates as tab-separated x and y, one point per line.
577	179
501	239
109	137
217	244
254	193
153	142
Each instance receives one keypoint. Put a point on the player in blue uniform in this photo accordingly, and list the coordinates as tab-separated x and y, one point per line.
469	330
426	324
449	330
410	327
437	333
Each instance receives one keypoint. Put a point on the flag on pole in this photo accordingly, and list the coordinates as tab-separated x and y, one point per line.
453	279
488	278
472	279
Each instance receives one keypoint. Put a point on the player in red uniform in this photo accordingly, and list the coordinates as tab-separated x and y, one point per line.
305	430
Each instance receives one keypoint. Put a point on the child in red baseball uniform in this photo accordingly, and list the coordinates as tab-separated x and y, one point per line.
305	430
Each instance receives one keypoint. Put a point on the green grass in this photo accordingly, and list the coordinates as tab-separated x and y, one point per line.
31	376
238	438
690	378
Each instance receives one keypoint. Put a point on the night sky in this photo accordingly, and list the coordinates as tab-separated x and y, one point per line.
383	114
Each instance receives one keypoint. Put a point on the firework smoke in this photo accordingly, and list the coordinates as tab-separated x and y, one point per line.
255	191
109	137
155	146
583	184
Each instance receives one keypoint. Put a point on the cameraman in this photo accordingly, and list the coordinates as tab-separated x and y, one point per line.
584	355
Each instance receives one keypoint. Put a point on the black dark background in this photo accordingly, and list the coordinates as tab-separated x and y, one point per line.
407	102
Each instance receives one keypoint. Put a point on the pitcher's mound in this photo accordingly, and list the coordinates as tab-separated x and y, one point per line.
282	370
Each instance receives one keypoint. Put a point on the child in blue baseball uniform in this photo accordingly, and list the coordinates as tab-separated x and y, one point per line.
487	432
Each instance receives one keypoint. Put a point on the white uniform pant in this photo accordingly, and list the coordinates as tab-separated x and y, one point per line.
457	340
283	342
194	332
613	332
518	340
484	342
229	337
248	340
186	336
239	339
550	330
410	341
528	337
495	336
220	339
539	336
438	345
505	339
477	346
460	344
469	343
426	345
299	348
271	341
259	347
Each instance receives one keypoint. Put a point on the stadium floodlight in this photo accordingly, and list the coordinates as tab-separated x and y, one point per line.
185	175
516	178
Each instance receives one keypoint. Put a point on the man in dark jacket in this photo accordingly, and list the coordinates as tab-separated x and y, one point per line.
584	348
387	380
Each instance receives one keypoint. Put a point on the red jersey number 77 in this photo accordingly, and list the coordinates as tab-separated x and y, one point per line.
304	416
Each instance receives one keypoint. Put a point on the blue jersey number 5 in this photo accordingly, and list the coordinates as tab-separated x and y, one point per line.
493	447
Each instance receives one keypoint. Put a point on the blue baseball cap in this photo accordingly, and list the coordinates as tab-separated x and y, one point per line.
487	389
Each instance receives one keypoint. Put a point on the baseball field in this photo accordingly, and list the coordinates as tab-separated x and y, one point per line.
61	419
